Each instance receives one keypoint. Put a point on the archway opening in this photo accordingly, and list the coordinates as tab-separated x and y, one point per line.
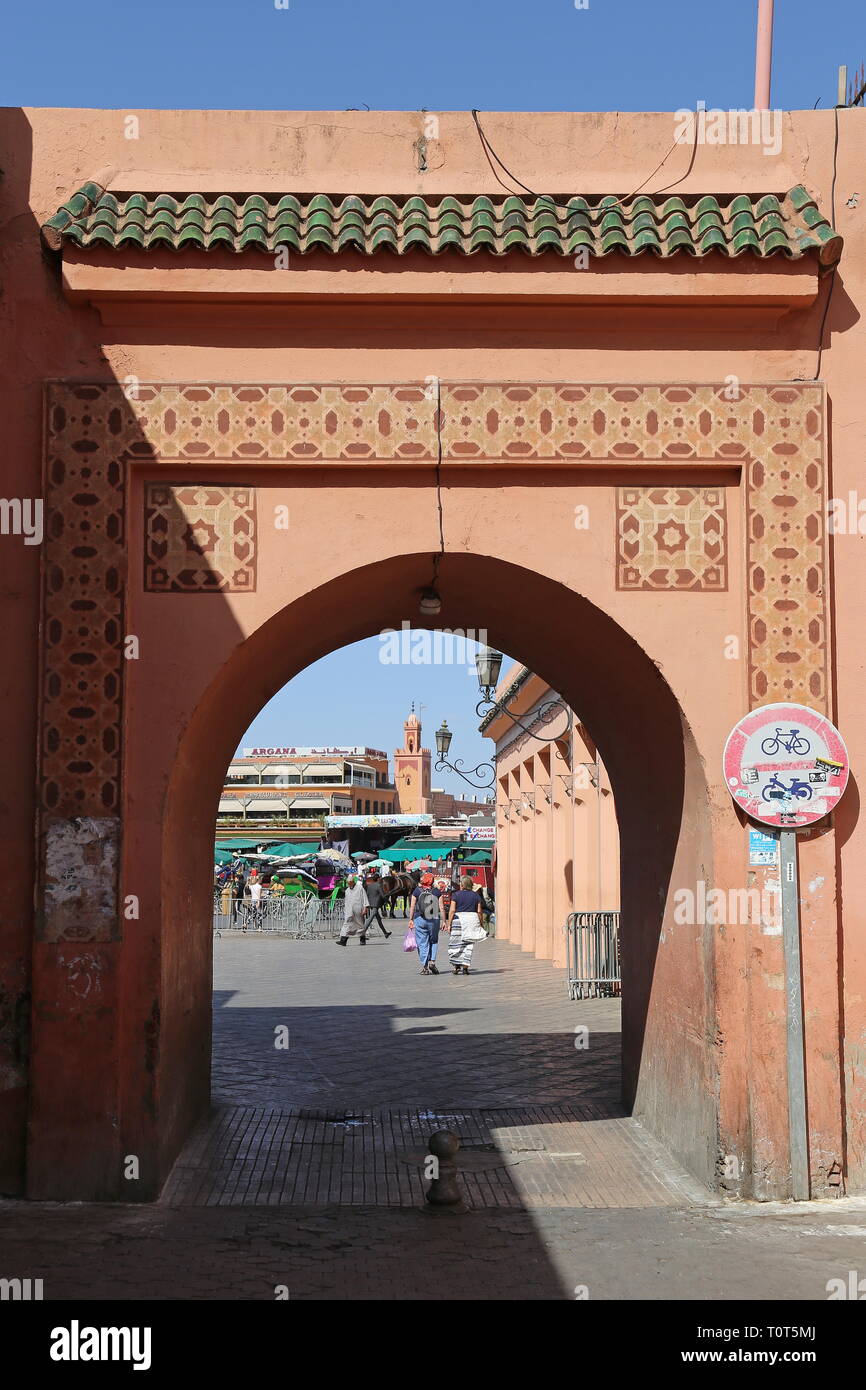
642	738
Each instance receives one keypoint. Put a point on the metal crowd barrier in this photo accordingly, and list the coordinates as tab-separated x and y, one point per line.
301	916
592	955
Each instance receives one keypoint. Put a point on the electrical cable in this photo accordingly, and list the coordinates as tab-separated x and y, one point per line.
489	151
437	558
439	465
832	281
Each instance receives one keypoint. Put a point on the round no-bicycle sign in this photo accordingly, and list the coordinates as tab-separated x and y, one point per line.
786	765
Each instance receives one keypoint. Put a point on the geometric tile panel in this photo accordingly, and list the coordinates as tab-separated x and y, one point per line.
199	538
671	538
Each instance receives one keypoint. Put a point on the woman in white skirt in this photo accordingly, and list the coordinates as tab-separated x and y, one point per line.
466	912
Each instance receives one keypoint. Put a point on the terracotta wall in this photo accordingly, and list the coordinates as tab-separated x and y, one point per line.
123	1067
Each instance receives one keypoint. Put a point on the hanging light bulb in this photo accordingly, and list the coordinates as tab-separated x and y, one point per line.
430	603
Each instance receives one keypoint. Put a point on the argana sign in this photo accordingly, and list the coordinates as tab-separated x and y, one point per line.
362	821
313	753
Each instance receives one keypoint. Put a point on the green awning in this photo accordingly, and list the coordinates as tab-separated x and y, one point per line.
290	847
418	847
436	850
481	856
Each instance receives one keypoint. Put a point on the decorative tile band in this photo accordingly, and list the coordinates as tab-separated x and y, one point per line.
83	606
786	539
563	422
302	424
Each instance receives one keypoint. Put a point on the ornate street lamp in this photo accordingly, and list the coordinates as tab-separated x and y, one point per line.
444	736
443	739
488	664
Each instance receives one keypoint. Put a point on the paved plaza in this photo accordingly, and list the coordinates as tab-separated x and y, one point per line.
377	1057
309	1173
367	1030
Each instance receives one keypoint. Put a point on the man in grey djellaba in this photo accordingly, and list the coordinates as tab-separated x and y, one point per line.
355	911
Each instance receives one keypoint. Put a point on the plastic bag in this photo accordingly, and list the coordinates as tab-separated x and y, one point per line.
409	942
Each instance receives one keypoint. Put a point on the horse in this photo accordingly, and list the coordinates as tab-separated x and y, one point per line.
397	885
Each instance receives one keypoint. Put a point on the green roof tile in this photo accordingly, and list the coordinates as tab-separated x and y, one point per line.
647	240
768	204
451	236
516	236
765	224
417	236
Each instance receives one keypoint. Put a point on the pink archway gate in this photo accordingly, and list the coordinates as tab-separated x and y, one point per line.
206	542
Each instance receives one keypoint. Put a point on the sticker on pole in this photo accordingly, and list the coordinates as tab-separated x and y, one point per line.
786	765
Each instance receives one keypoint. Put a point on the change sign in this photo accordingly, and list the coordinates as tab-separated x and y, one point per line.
786	765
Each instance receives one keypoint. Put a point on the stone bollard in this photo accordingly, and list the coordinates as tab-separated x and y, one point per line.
444	1190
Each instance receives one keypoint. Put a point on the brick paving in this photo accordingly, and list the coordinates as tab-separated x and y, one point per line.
366	1030
380	1056
554	1156
564	1191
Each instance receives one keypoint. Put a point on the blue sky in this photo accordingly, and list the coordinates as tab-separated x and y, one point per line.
628	55
352	697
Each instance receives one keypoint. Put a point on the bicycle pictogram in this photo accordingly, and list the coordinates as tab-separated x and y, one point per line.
792	742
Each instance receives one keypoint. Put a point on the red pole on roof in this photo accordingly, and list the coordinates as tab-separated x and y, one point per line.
764	55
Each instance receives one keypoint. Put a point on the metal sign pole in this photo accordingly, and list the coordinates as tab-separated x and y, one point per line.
798	1136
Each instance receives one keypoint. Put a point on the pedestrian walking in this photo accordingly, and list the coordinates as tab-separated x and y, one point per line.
465	921
237	894
355	912
426	921
445	895
375	897
255	887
